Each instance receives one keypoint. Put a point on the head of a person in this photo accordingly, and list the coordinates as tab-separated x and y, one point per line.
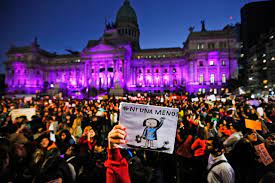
45	141
65	135
19	143
251	135
215	146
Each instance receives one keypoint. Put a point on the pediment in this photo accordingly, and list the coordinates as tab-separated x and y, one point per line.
102	47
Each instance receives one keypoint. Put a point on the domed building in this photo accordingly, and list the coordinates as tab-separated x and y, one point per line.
207	61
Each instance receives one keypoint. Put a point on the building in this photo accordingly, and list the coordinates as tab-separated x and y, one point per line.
207	60
257	26
261	64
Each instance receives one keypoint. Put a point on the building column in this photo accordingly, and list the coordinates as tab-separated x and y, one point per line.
153	76
170	76
161	76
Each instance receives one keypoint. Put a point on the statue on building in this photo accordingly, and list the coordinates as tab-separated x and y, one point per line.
203	26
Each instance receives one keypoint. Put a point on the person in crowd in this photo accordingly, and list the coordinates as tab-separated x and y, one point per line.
117	166
218	168
64	141
76	130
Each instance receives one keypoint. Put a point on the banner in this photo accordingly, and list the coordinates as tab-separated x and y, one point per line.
149	127
265	157
28	112
255	125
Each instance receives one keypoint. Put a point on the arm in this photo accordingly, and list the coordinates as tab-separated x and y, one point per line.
117	166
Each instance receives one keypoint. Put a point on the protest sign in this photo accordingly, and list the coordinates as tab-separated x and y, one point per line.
255	125
265	157
28	112
149	127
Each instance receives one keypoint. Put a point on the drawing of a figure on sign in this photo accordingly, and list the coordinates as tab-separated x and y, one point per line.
150	132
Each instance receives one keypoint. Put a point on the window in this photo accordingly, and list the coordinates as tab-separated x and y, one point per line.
201	63
148	70
200	46
101	69
223	78
222	44
211	45
211	62
139	71
201	78
174	70
110	69
157	71
93	71
223	62
212	78
165	70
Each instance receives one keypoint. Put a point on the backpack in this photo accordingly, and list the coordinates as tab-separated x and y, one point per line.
205	175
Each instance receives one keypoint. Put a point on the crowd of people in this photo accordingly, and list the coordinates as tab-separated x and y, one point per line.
67	141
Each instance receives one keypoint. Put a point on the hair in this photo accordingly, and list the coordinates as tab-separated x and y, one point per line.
144	122
217	144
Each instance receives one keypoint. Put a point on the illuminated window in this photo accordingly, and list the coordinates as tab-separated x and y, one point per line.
174	70
200	46
223	62
223	78
138	57
211	45
211	62
265	81
201	78
212	78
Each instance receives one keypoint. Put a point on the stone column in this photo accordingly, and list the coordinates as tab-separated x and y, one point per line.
144	76
106	84
161	76
170	76
153	76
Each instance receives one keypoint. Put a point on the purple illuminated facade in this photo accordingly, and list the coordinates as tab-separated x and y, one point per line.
207	60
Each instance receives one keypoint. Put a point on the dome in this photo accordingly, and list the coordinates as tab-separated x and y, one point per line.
126	14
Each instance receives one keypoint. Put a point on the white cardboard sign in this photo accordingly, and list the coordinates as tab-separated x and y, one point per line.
28	112
149	127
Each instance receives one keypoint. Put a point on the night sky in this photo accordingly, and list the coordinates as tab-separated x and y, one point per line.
69	24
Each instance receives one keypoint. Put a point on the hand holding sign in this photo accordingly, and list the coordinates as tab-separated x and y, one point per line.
116	136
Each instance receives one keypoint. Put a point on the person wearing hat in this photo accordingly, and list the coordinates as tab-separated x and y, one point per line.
22	148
